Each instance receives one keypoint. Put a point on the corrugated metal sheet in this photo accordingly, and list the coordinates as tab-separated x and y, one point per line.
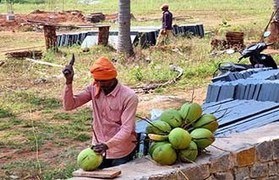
142	36
257	84
242	103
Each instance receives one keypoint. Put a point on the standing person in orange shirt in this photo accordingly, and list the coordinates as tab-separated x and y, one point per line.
114	109
165	33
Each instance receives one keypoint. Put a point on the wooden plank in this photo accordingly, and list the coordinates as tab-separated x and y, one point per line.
104	173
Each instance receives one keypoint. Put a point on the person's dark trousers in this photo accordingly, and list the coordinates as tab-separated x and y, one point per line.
115	162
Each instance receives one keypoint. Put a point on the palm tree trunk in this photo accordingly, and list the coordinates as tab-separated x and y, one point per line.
124	44
276	6
274	26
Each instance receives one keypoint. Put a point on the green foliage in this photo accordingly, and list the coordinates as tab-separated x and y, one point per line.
67	161
29	166
137	73
61	173
5	113
82	137
31	115
27	101
25	1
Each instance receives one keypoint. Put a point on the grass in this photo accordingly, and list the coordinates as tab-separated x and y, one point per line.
39	140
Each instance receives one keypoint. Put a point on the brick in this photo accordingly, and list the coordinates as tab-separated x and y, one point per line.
210	178
246	157
143	178
259	170
272	168
162	177
276	149
241	173
221	164
197	172
222	176
264	151
272	177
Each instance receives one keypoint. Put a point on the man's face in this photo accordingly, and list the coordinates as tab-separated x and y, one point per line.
164	8
106	85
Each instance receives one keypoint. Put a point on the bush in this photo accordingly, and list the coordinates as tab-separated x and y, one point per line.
24	1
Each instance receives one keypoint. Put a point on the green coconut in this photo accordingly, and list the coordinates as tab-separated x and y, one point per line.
202	137
154	145
158	127
184	110
190	112
207	121
172	117
179	138
158	137
164	154
189	154
89	160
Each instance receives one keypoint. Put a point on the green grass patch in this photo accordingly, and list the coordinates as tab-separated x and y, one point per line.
26	101
31	115
5	113
23	168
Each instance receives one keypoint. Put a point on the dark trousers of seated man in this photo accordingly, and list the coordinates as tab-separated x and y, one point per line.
115	162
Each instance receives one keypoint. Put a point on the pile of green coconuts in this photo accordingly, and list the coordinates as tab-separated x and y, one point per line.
179	135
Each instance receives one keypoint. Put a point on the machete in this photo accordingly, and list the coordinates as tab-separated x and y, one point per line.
72	62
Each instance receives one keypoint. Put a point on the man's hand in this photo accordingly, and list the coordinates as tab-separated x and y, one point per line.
68	72
100	148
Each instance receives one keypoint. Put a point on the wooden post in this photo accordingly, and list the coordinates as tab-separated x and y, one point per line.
103	35
50	37
273	38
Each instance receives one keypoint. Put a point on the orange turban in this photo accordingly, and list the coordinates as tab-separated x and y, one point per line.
103	69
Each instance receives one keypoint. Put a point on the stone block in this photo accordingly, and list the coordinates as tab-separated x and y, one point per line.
196	173
264	151
223	175
143	178
210	178
162	177
272	177
259	170
222	164
276	149
241	173
246	157
272	168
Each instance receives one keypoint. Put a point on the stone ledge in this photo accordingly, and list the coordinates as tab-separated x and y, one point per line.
211	165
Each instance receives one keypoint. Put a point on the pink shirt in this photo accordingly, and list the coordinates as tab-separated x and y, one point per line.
113	114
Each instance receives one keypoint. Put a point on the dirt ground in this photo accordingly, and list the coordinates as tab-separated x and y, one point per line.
50	151
22	21
149	102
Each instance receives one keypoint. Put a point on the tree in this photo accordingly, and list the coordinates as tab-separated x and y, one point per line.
274	26
276	6
124	44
